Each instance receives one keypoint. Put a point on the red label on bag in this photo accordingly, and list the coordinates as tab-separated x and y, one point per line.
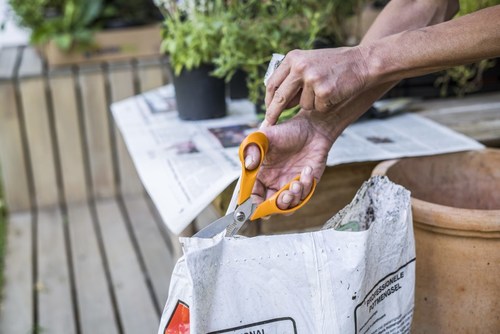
179	320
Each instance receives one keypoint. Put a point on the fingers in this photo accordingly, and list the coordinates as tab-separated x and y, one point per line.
298	190
306	179
283	88
307	98
287	92
252	157
275	80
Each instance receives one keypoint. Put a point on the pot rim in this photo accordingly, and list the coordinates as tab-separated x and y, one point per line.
447	217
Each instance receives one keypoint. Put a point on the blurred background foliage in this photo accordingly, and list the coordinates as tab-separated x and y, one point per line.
72	23
465	79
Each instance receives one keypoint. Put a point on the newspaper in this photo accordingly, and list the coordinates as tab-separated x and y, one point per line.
184	165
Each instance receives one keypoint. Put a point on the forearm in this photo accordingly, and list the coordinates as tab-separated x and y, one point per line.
401	15
397	16
417	52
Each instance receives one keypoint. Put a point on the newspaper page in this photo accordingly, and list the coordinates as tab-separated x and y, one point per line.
405	135
184	165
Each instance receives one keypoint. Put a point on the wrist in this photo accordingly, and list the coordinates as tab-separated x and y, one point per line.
326	125
381	65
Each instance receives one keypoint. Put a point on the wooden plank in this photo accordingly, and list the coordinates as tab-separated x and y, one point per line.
16	306
12	162
158	258
95	306
122	86
31	64
97	133
487	131
150	75
454	104
40	142
138	314
175	245
476	116
69	138
55	302
8	60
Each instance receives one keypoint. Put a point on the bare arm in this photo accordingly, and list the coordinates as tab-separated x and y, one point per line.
417	52
402	15
320	79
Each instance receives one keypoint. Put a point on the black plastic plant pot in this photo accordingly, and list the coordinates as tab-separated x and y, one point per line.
238	86
200	95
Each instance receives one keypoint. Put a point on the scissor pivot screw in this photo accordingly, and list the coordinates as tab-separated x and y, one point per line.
240	216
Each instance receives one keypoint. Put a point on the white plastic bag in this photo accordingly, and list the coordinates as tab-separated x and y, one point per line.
354	276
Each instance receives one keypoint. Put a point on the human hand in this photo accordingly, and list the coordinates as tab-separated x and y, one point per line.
297	146
315	79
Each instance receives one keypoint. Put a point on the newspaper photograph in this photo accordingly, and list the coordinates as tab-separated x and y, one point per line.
185	165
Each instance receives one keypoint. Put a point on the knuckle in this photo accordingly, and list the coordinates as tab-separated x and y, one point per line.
279	99
307	104
293	55
271	86
300	65
323	93
312	77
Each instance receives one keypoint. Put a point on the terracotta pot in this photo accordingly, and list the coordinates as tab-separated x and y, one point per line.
456	214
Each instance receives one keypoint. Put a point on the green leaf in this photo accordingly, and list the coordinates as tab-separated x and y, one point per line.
64	41
91	9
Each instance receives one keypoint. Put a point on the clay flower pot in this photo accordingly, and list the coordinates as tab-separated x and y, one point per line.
456	214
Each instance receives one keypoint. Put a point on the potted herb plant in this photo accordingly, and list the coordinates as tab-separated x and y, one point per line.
191	37
253	30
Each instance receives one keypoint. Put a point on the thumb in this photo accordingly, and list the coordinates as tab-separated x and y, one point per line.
252	157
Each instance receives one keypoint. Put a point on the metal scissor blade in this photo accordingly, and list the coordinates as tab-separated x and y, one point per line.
216	227
233	221
240	216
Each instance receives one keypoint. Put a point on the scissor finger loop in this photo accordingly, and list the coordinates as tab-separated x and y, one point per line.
245	209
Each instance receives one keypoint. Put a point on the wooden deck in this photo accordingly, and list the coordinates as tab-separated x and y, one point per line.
86	251
102	267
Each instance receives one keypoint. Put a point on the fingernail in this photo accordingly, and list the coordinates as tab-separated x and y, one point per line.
307	171
248	161
264	124
287	198
295	187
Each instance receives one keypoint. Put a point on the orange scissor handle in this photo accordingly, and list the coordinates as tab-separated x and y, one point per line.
248	177
270	206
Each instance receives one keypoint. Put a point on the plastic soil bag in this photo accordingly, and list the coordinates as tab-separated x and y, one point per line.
356	275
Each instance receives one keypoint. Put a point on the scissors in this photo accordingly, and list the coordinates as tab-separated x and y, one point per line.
246	210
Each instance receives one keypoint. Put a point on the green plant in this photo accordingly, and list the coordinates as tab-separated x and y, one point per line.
191	33
465	79
119	13
253	30
68	22
71	24
243	35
